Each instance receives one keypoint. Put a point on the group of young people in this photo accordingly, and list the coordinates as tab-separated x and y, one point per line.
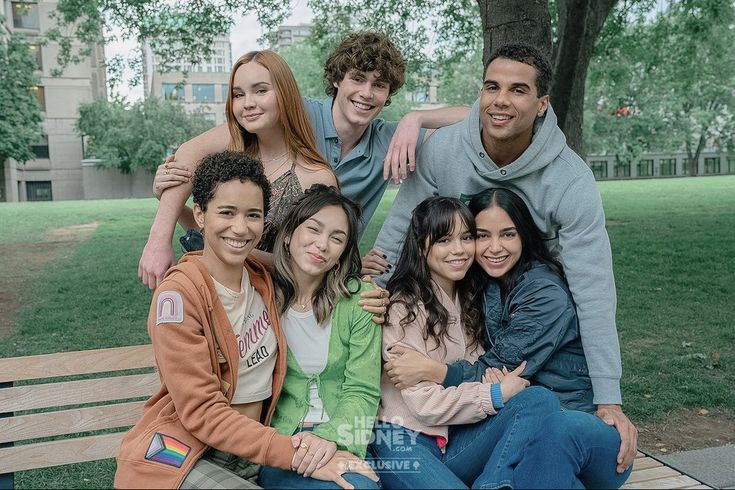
281	368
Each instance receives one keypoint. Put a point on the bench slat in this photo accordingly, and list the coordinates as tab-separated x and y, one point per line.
645	463
680	481
651	474
49	424
54	453
33	397
79	362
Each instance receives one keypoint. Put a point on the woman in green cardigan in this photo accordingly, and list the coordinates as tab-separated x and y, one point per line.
332	387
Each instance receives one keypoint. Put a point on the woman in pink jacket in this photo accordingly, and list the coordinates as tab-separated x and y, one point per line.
430	436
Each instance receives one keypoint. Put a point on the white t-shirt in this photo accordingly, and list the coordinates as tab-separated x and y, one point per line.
256	340
309	343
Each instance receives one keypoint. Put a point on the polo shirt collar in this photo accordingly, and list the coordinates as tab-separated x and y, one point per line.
329	129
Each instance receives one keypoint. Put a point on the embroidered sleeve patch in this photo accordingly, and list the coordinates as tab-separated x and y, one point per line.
170	308
167	450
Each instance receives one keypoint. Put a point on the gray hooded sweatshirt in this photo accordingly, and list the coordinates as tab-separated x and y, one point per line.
560	190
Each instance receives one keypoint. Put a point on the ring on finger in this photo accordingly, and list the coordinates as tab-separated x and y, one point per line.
304	445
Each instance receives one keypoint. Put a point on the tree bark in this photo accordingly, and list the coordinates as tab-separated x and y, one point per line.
694	157
528	21
508	21
580	23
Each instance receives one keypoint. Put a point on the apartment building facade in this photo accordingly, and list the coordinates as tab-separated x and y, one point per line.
661	164
56	172
199	88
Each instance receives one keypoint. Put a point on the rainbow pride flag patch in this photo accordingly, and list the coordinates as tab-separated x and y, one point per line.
167	450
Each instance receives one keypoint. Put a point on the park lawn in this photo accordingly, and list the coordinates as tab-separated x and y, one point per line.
674	257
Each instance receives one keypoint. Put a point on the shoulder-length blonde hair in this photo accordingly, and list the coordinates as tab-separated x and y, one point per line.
291	113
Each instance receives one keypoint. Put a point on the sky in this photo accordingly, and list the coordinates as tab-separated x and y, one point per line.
243	37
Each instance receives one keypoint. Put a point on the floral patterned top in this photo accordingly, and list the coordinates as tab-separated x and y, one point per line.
285	190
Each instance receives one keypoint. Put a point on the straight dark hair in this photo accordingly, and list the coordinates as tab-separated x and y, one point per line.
533	247
434	218
336	283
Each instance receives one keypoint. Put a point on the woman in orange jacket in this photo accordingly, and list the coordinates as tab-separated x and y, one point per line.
220	352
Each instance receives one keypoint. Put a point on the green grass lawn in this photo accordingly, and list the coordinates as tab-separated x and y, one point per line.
674	254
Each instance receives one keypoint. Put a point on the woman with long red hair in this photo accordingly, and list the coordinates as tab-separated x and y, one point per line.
267	121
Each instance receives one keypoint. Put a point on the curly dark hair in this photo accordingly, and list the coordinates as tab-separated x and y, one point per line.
223	167
366	51
530	56
411	282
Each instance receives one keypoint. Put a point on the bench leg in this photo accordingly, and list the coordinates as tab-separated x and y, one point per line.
6	479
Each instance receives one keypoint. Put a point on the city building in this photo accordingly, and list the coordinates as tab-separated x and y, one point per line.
662	164
199	88
288	35
56	173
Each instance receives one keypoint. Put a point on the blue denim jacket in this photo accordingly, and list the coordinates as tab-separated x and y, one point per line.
535	322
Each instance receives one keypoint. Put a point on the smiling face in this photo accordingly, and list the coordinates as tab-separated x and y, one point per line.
499	246
254	100
509	103
360	97
317	244
232	224
450	257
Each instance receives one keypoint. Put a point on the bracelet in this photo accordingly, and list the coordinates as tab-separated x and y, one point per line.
496	396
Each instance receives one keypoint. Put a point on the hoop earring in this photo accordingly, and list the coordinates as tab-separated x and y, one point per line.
335	269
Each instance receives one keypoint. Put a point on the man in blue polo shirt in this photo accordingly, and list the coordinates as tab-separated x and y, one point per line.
361	75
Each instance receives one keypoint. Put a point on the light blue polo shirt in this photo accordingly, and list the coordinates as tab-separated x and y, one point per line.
360	172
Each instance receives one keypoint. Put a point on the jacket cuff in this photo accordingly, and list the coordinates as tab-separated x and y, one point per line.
280	452
606	391
453	376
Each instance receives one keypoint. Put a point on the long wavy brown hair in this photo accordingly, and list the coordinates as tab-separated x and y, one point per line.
291	113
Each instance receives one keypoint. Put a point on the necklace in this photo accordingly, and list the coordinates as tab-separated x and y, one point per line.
274	158
303	306
275	171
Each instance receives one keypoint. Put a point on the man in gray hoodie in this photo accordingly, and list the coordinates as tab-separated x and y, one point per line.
511	139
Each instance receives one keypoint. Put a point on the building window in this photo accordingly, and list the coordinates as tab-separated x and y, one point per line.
599	169
712	165
731	165
645	168
40	148
36	52
39	191
622	169
667	166
25	15
203	92
40	93
172	91
225	92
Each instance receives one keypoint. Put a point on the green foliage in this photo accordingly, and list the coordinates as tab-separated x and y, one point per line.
460	79
306	61
138	135
665	82
177	29
20	124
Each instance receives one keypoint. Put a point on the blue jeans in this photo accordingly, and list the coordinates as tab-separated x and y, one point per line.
574	450
277	478
479	455
270	477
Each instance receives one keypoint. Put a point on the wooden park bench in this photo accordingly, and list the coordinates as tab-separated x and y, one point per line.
39	411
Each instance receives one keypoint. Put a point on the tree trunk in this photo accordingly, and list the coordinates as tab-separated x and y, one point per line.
528	21
693	158
580	23
508	21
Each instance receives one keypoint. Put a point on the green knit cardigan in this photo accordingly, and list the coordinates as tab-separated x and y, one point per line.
349	385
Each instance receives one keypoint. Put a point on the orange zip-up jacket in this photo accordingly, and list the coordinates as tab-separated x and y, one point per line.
197	358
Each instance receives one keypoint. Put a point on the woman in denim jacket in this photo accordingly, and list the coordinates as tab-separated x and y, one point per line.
530	316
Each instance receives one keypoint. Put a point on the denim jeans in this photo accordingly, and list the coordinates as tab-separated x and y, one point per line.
271	477
479	455
574	450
